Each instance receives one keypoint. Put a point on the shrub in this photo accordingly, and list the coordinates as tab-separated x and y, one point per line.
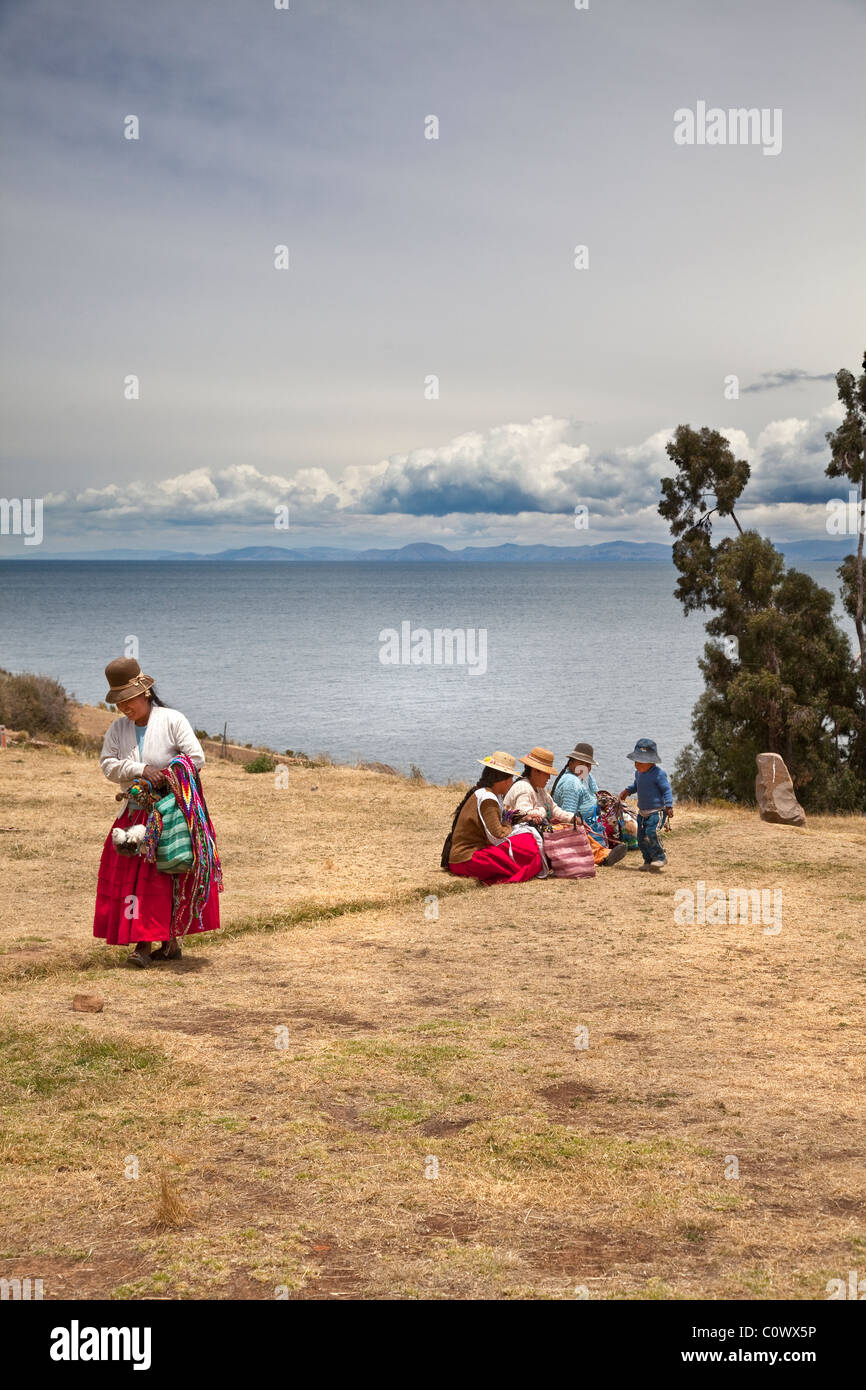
263	763
35	703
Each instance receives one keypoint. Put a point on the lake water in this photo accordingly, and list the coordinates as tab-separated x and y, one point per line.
289	654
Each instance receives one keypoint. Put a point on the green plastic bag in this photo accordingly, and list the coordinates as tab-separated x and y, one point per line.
174	850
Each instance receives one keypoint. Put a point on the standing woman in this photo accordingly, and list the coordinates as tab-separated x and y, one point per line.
134	900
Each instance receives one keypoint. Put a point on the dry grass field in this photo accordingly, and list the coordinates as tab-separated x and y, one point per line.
429	1129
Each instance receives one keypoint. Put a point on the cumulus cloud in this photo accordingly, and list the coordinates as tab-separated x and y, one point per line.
519	481
534	467
789	460
238	496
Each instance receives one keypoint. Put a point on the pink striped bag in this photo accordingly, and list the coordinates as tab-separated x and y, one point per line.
569	853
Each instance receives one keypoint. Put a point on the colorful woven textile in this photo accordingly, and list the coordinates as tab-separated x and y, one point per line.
192	889
569	853
174	854
134	902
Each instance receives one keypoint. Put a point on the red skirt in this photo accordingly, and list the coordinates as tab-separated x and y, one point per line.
494	864
134	900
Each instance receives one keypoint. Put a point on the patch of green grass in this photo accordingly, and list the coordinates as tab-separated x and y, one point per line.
558	1147
32	1064
724	1202
416	1060
695	1234
757	1281
307	914
395	1116
148	1286
654	1290
421	1061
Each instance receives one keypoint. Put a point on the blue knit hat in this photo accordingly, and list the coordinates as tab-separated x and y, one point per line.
645	751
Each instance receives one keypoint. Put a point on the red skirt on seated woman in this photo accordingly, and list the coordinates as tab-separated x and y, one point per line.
494	864
133	899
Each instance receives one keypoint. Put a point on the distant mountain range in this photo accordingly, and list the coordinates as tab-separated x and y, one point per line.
422	553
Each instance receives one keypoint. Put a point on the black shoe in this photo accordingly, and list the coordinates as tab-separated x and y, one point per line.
618	853
169	951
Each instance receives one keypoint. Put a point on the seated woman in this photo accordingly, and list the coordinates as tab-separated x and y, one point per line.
527	801
576	791
480	844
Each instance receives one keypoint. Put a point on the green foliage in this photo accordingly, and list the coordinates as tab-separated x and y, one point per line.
786	683
706	468
35	703
263	763
848	442
33	1064
848	460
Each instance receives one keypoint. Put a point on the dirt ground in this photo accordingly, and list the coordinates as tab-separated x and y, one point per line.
383	1082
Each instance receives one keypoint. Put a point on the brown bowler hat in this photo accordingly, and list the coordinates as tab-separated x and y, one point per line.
125	680
583	753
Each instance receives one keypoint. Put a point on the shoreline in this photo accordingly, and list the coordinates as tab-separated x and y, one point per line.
92	721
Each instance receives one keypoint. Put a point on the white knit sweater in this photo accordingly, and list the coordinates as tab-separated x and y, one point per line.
523	797
168	733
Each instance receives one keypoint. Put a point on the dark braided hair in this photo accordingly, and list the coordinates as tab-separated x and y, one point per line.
561	774
487	778
155	700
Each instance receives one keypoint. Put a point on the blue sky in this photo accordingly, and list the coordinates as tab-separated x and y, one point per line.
411	258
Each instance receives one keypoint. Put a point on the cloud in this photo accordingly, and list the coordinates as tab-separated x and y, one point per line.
790	376
528	476
236	496
535	467
790	457
515	469
519	481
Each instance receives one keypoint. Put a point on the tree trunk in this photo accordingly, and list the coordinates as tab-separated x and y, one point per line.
772	726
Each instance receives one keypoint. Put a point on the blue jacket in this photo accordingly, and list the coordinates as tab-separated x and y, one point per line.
576	796
653	790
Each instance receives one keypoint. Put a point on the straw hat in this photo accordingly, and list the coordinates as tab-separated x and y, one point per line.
582	753
503	762
540	758
125	680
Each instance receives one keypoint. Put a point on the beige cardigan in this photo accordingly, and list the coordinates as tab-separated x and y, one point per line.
524	798
168	733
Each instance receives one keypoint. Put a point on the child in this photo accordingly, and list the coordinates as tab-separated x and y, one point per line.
654	801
